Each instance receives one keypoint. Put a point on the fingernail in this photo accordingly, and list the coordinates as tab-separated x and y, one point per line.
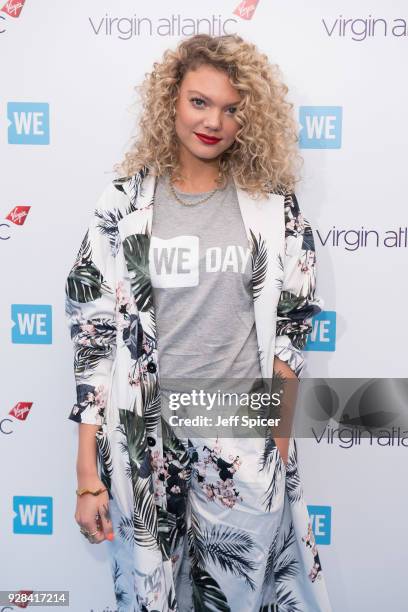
110	536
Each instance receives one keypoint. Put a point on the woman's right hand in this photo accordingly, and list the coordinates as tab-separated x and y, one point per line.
88	506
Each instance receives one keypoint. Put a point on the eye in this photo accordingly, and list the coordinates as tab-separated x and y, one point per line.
234	109
197	100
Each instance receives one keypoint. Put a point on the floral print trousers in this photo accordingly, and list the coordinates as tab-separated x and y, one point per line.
225	499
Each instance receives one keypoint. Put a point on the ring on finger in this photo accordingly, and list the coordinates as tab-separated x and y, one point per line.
91	539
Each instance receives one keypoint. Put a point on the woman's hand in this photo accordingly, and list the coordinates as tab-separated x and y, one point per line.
89	506
283	448
288	384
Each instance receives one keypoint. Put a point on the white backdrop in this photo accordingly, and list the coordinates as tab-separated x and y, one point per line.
60	53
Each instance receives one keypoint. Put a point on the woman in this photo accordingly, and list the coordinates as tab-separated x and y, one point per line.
218	282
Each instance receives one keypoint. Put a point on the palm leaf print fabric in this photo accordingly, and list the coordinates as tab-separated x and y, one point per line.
297	302
200	524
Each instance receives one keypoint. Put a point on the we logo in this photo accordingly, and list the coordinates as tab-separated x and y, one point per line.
321	523
323	334
320	127
174	262
32	515
29	123
32	324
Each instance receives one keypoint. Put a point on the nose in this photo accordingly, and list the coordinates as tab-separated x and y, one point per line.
213	119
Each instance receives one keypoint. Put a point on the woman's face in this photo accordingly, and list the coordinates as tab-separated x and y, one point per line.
206	105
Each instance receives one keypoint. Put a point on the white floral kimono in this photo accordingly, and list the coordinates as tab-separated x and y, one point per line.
216	525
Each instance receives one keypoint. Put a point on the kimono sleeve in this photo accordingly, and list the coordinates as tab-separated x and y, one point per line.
298	301
90	311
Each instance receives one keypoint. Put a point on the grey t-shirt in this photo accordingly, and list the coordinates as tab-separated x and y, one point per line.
201	271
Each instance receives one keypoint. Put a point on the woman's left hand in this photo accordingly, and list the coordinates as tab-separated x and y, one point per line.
289	383
283	448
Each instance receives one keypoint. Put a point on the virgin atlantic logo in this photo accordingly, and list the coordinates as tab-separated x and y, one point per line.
360	29
353	239
246	9
21	410
128	27
17	216
13	7
24	599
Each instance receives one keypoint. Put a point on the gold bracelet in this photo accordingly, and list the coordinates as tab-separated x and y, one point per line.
80	492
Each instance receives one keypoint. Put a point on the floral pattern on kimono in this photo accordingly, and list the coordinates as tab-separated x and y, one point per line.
199	526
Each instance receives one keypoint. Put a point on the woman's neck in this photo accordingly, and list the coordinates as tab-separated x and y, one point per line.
196	185
197	175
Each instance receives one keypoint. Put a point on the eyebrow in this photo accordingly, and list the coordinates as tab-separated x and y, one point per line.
192	91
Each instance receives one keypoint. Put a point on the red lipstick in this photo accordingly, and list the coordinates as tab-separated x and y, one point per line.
207	139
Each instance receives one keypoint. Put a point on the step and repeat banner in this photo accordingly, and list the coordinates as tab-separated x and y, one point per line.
67	113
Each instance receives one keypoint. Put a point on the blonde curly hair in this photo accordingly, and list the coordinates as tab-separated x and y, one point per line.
264	156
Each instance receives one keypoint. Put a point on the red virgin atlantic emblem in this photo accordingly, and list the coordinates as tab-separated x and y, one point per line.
23	604
18	215
21	410
246	9
13	7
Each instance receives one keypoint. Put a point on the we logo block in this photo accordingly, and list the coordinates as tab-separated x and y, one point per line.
321	127
323	334
29	123
174	262
32	515
321	523
32	324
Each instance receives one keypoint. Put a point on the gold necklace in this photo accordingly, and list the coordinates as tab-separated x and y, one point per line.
190	203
